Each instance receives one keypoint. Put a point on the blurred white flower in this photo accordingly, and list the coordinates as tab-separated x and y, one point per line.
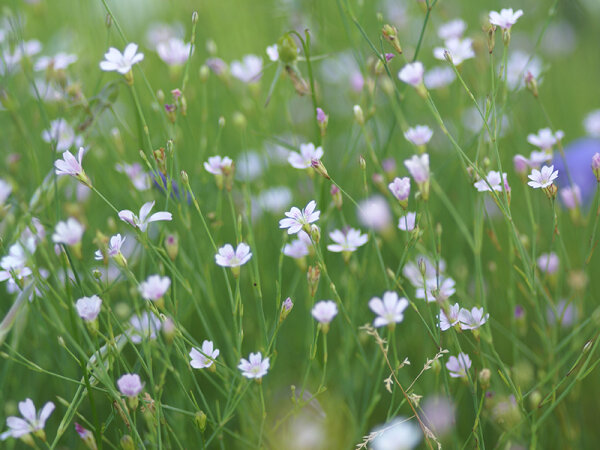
60	61
114	60
249	70
61	133
548	263
506	18
205	358
144	326
439	77
412	73
591	123
398	434
374	213
32	422
135	172
130	384
407	222
459	50
447	322
173	51
155	287
347	240
324	311
419	135
471	320
88	308
68	232
303	160
452	30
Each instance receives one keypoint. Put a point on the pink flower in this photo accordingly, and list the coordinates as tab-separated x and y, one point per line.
68	233
492	180
506	18
548	263
71	166
255	366
135	172
227	257
130	384
458	49
545	139
407	222
419	135
205	358
418	166
412	73
173	51
453	29
143	220
296	249
155	287
347	241
447	322
471	320
296	219
571	196
218	165
249	70
389	310
458	366
308	153
400	188
543	178
114	60
324	311
30	423
88	308
374	213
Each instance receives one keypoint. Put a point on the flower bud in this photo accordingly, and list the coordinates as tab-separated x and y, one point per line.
204	72
322	120
127	442
317	164
315	233
484	378
596	166
200	419
362	163
531	83
161	160
172	246
87	436
286	307
391	35
336	195
195	17
358	115
287	48
313	274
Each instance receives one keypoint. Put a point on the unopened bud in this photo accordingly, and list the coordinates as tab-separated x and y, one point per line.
315	233
127	442
286	307
531	83
200	419
195	17
317	164
362	163
221	122
204	72
596	166
239	120
358	115
287	48
391	35
313	275
484	378
336	195
172	246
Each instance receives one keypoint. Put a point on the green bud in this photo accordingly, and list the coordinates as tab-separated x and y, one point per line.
287	48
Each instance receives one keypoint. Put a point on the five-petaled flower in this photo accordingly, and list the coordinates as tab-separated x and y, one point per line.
71	166
419	135
114	60
389	310
451	319
458	366
347	240
545	139
492	181
324	312
130	384
201	359
255	366
506	18
471	320
297	220
412	74
144	219
408	221
31	422
303	160
155	287
88	308
113	250
543	178
228	257
400	188
68	233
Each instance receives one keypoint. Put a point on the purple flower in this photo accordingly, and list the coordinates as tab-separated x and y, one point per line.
130	384
548	263
155	287
321	116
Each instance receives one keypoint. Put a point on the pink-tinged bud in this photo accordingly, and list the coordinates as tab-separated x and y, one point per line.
321	117
336	195
521	164
571	196
596	165
400	188
87	436
389	165
319	168
313	275
286	307
389	57
176	93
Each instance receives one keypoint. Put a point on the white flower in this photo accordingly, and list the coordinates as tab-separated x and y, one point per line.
114	60
493	180
173	51
227	257
447	322
273	52
419	135
506	18
249	70
13	264
130	384
439	77
471	320
69	165
458	366
400	188
453	29
298	248
30	423
347	240
88	308
418	166
413	274
154	287
543	178
324	311
459	50
591	124
436	289
61	132
218	165
144	219
255	367
390	310
303	160
114	247
545	139
144	326
275	199
374	213
60	61
205	358
536	159
407	222
68	233
398	434
412	73
296	219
